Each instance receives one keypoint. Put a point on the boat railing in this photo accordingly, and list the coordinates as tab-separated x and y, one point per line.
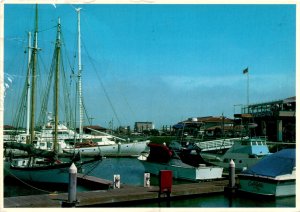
259	140
217	144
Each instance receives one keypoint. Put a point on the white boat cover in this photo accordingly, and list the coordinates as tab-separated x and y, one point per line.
279	163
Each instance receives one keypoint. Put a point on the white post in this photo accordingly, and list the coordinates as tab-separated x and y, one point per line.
72	183
117	181
147	180
231	174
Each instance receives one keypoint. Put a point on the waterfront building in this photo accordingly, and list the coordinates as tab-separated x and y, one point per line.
274	119
209	126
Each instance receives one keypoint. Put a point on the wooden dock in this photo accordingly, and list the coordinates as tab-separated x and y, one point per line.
111	197
94	182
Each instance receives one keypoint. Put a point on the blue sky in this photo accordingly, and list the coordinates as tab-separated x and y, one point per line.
162	63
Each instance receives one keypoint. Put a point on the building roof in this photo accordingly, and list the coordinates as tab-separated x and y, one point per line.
210	119
287	100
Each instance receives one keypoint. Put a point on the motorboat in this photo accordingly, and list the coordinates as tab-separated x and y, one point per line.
245	152
162	157
274	175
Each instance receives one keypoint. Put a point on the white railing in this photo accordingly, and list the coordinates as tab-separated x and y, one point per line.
217	144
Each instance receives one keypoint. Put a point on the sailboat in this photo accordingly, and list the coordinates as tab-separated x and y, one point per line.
104	143
40	165
86	144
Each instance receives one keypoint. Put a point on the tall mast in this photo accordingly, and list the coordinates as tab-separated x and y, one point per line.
56	93
28	84
79	76
33	77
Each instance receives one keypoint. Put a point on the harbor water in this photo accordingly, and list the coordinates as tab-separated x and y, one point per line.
132	172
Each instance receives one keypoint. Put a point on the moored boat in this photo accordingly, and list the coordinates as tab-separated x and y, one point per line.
128	149
245	152
41	165
163	158
275	175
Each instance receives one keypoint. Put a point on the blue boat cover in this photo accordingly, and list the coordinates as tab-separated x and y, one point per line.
279	163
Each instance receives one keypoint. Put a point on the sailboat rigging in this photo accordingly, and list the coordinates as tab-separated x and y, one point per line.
66	140
42	166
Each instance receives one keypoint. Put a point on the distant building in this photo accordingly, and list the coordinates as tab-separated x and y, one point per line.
206	126
141	126
124	129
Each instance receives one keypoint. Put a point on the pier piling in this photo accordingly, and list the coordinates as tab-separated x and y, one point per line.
231	188
147	180
117	181
72	188
231	174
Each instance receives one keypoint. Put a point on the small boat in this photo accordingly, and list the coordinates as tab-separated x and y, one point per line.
163	158
245	152
274	175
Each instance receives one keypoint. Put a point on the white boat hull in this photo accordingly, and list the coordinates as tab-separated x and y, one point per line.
185	173
270	187
241	162
134	149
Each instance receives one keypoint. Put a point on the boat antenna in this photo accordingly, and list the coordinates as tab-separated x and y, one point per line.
79	75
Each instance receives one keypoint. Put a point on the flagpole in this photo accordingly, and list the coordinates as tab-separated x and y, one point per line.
248	91
246	71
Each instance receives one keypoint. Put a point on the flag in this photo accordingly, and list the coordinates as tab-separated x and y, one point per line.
245	71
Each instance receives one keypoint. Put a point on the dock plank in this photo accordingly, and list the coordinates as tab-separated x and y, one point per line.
113	196
95	182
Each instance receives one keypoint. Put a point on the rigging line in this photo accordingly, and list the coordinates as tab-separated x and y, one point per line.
66	94
102	85
92	167
47	29
126	100
17	107
66	88
31	186
67	57
21	103
124	96
42	94
85	111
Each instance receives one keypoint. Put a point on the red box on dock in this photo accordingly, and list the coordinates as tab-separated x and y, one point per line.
165	181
